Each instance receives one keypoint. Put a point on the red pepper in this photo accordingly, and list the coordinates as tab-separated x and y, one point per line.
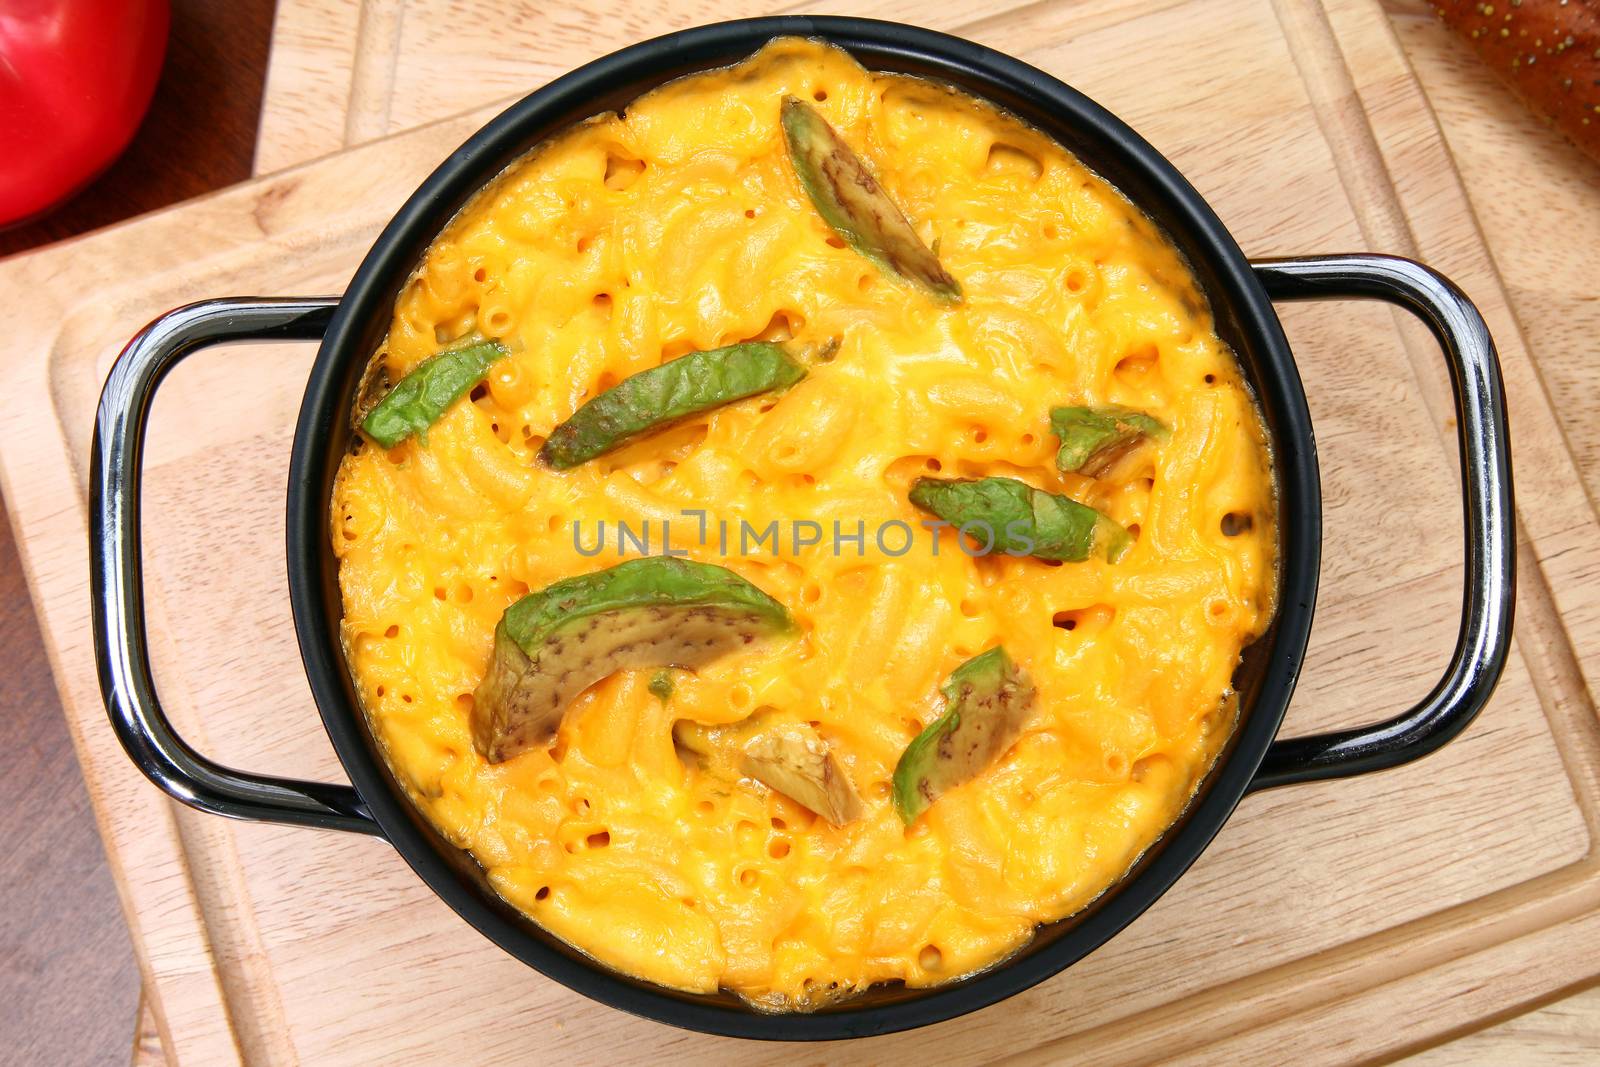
75	79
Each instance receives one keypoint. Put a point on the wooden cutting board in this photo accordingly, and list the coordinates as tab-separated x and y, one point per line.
1427	897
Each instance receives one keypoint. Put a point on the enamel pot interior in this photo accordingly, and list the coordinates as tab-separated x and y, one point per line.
1244	319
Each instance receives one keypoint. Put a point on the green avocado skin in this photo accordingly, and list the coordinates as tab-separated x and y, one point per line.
1022	520
987	701
854	205
650	612
648	582
1089	434
428	391
678	388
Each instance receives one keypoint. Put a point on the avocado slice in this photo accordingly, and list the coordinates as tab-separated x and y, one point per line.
662	395
788	758
650	612
795	761
988	700
1019	520
428	391
851	201
1094	440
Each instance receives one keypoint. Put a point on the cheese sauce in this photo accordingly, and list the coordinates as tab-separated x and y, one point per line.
680	226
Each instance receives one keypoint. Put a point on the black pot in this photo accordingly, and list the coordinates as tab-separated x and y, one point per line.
351	327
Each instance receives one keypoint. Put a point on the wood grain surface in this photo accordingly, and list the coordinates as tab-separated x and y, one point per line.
147	1050
1437	896
1565	1033
1537	198
69	982
67	975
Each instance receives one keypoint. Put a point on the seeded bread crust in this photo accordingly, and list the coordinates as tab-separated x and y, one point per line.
1547	51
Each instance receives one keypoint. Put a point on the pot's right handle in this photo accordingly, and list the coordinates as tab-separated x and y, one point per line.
117	584
1485	637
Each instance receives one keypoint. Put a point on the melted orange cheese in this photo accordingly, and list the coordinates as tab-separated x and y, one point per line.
680	226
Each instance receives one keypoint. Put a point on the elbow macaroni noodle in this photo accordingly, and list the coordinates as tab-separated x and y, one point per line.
679	226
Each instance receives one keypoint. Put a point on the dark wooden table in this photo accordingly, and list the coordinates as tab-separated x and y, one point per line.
69	988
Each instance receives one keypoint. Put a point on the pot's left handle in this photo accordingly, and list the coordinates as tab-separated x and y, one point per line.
117	582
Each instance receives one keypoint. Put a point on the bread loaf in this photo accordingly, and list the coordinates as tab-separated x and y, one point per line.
1547	51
